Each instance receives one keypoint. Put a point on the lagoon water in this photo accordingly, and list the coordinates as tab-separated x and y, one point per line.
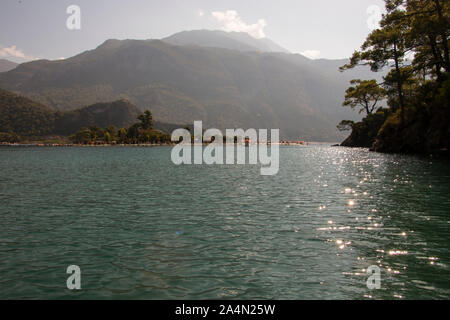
140	227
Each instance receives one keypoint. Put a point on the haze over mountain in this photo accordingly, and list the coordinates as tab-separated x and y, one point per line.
220	39
207	75
6	65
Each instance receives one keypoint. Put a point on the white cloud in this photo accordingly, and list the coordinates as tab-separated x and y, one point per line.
312	54
231	21
13	52
200	13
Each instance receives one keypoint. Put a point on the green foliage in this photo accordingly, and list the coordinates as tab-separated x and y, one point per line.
9	137
23	116
122	135
418	91
84	136
146	120
365	95
425	125
364	132
345	125
141	132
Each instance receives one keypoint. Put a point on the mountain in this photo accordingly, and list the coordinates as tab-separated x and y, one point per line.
25	117
120	114
240	41
6	65
181	83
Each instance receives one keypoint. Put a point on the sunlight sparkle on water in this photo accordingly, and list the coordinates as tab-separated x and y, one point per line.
397	252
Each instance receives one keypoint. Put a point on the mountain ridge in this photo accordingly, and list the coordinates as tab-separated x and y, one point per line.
240	41
7	65
25	117
225	88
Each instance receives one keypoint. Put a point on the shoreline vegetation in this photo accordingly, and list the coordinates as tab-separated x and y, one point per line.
28	123
66	142
25	122
412	43
161	144
140	134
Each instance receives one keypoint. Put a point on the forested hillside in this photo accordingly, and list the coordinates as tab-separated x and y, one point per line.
24	117
181	83
417	90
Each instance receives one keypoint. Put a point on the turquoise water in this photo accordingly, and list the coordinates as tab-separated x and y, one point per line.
140	227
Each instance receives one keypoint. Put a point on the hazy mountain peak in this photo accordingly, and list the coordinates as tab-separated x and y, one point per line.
181	83
240	41
110	43
6	65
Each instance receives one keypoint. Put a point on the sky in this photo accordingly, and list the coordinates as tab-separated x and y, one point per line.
50	29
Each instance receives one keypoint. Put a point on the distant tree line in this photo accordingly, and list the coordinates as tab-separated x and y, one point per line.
140	132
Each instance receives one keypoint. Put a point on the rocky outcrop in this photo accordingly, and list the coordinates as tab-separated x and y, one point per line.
365	132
